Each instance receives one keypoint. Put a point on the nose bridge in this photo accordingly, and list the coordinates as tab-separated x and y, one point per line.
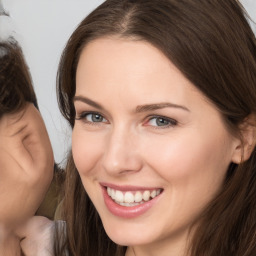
121	154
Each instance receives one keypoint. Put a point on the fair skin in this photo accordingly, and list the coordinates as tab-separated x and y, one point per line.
26	164
38	233
142	126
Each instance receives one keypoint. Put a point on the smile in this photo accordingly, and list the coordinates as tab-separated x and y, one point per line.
130	201
132	198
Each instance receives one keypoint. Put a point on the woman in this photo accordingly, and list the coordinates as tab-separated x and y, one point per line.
160	95
161	99
26	157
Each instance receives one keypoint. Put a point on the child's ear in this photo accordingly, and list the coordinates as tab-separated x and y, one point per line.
247	141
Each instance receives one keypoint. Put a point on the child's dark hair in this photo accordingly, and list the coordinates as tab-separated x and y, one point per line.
15	81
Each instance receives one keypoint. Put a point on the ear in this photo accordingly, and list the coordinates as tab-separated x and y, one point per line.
247	141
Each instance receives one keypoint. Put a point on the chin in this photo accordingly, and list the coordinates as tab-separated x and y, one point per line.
127	241
128	237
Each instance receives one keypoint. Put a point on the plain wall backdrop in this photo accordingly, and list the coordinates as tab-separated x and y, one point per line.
43	27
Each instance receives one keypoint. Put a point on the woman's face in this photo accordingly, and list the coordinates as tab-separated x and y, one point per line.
151	151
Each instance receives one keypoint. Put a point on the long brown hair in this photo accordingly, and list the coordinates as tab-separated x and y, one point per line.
211	43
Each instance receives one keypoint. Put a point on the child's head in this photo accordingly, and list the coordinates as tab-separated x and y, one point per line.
15	81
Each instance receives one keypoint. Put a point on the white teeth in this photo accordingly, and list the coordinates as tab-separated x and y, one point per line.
132	198
113	194
109	191
119	197
129	204
153	194
138	197
146	195
128	197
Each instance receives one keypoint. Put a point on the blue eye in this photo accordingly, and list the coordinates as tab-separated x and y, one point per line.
159	121
95	118
92	118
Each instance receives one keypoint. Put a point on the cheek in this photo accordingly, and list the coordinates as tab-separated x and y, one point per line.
86	149
191	158
193	169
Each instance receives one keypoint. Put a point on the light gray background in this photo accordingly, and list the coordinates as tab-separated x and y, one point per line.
43	27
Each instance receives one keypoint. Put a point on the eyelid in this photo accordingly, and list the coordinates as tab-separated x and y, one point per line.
83	114
172	121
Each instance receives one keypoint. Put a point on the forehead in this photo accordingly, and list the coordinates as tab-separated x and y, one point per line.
115	49
112	58
132	70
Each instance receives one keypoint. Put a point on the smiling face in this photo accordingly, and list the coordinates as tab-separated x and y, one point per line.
151	151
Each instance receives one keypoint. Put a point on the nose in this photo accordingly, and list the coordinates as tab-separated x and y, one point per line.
122	153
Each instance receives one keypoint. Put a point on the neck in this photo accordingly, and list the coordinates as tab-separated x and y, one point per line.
9	242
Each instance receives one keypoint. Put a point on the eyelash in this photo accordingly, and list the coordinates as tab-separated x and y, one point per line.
83	116
168	122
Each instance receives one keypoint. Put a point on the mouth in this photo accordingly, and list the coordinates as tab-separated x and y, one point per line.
131	198
130	201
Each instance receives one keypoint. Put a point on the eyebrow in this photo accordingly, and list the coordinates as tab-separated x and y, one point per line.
87	101
139	109
151	107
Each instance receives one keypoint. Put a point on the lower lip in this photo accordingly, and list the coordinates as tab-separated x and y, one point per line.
127	212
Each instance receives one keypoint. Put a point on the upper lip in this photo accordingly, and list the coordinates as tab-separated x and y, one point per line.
127	187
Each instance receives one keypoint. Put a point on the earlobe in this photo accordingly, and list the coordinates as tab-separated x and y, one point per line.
247	141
